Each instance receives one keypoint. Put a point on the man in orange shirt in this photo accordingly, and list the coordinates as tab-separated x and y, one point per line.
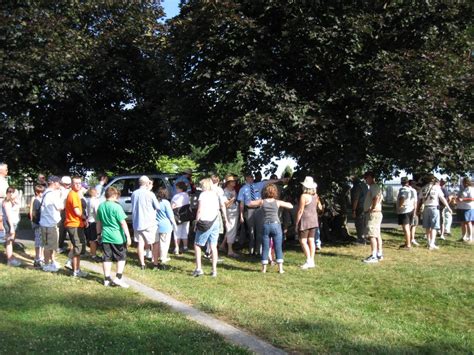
74	224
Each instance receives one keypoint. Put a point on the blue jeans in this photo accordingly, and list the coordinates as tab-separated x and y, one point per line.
272	230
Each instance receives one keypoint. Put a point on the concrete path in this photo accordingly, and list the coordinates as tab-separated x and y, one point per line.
230	333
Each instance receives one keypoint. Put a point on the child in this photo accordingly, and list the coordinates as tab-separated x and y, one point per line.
35	207
11	217
91	232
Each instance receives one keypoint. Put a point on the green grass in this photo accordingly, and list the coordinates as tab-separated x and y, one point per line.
53	313
415	302
412	302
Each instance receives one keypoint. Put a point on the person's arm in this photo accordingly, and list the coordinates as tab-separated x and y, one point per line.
124	226
170	215
301	205
224	215
400	201
443	200
30	212
284	204
255	203
241	211
98	229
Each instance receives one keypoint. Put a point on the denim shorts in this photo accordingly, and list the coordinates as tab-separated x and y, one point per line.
431	217
211	235
465	215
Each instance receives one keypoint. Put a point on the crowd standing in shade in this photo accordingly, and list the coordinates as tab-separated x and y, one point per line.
60	211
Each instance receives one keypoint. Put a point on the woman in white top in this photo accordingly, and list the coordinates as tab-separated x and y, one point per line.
465	209
207	225
11	217
180	199
232	209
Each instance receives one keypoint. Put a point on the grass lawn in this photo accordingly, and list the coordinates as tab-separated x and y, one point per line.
412	302
46	313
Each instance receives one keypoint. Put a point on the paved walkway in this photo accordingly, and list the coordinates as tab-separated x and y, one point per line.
232	334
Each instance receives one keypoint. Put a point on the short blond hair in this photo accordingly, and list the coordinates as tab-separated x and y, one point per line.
309	191
206	184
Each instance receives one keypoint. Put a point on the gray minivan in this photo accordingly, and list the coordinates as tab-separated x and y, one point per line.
126	184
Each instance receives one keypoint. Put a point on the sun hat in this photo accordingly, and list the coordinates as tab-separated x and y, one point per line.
229	178
309	183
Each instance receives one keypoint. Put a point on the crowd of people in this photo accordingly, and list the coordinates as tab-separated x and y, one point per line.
68	209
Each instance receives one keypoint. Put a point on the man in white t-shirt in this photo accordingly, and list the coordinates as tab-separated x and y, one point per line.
430	196
373	213
406	202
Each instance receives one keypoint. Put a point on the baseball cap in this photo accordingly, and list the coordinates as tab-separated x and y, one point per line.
53	178
66	180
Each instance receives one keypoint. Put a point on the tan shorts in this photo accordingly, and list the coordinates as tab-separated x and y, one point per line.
148	235
50	237
374	221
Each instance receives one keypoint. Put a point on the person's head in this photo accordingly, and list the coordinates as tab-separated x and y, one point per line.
404	181
230	182
3	169
309	186
188	173
92	191
215	179
41	178
162	193
369	177
39	189
466	181
11	194
54	182
270	191
112	193
442	182
66	182
76	183
206	184
273	177
103	179
144	181
181	186
249	179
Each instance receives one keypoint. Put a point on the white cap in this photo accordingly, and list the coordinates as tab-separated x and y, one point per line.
309	183
66	180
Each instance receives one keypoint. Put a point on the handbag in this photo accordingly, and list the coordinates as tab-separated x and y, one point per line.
183	214
204	226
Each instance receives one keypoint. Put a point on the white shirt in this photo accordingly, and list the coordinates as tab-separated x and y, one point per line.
3	187
180	199
208	205
467	192
50	208
92	207
430	195
409	198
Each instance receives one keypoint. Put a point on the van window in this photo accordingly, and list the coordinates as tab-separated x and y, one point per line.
125	186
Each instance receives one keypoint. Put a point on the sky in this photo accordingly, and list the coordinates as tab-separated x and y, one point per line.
171	8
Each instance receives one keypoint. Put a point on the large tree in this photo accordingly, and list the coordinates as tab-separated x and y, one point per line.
338	86
81	84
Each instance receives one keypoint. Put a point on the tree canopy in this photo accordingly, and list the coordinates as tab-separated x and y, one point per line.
339	86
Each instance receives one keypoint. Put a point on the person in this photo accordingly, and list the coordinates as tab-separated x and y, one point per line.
271	224
74	223
430	196
35	206
41	180
207	225
307	222
103	179
416	215
144	207
112	230
406	203
252	216
180	199
465	209
91	230
448	217
51	206
3	192
358	191
166	225
185	177
232	210
11	218
373	218
65	188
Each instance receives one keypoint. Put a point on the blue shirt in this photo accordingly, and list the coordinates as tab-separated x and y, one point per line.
244	193
183	178
164	216
144	206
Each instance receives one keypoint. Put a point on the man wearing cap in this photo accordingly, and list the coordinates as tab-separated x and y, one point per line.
144	207
253	216
50	218
3	192
373	217
406	204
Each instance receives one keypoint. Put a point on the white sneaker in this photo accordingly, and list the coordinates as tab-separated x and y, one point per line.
307	265
57	265
371	259
433	247
415	243
442	237
465	238
68	264
50	268
79	273
14	262
164	261
106	283
176	252
149	254
121	283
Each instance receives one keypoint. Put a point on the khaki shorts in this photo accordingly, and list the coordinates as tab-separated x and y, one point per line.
77	238
149	235
50	237
374	221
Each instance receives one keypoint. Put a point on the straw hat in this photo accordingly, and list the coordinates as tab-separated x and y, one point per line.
229	178
309	183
